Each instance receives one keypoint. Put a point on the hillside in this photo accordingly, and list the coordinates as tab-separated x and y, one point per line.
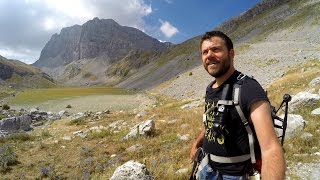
267	44
17	74
269	38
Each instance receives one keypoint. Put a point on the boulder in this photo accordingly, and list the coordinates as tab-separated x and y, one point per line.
131	170
303	99
144	128
15	124
295	124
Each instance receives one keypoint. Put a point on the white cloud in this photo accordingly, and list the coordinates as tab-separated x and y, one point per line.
167	29
20	53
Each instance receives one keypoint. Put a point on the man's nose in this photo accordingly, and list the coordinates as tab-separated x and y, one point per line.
210	54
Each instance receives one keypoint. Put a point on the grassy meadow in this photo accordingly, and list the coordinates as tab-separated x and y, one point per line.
43	154
30	96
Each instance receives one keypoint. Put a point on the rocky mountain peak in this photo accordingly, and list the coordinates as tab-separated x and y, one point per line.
103	38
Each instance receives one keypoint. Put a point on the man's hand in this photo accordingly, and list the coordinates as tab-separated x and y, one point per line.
198	143
193	152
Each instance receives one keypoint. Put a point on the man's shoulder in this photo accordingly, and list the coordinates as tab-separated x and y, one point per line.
247	80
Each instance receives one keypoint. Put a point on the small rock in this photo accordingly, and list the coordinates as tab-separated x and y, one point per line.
307	136
66	138
113	155
182	171
316	112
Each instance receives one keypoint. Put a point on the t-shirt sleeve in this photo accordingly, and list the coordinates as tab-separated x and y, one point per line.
251	92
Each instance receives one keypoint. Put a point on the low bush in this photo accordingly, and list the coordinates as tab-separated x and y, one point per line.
78	121
7	157
68	106
5	107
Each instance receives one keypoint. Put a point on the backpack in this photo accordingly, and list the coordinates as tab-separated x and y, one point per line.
278	122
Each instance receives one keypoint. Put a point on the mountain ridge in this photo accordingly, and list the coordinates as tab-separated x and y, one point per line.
97	38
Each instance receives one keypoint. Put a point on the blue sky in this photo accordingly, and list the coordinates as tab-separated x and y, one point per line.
27	25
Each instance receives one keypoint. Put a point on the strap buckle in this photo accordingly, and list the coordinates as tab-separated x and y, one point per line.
241	76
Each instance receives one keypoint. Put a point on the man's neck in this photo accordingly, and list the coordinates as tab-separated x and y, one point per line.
220	80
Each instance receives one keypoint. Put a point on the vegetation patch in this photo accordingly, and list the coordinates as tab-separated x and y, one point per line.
31	96
5	107
262	63
7	158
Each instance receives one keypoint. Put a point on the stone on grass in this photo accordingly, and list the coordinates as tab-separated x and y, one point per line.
131	170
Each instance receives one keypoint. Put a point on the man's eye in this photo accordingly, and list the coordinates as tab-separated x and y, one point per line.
204	52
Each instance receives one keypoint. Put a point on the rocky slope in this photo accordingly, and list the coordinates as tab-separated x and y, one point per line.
101	42
96	38
271	42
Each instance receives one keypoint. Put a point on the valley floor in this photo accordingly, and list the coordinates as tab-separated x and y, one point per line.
93	103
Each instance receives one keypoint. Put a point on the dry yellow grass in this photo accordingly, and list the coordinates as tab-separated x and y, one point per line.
163	153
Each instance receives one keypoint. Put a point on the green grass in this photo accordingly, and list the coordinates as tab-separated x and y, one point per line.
41	95
186	48
264	63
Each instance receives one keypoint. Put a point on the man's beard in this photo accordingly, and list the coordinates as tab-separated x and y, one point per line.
222	68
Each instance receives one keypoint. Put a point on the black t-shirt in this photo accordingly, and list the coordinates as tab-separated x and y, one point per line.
235	141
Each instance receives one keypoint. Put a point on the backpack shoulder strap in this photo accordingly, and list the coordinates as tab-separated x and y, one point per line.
237	101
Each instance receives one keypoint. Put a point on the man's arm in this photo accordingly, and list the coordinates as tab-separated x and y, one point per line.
197	143
273	162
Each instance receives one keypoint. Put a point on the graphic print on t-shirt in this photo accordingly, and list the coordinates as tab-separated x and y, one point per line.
209	121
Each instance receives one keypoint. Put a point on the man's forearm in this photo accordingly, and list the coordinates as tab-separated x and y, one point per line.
198	142
273	164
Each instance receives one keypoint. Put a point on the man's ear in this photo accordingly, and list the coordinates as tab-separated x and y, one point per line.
231	53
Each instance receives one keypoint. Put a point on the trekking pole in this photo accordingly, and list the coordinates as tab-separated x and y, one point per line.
196	162
286	100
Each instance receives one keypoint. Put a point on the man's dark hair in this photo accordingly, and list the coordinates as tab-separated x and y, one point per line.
220	34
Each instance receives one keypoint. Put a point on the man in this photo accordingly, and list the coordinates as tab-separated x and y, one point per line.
218	59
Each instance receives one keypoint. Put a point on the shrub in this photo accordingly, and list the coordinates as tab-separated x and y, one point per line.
7	157
190	74
48	172
20	137
5	107
45	134
68	106
78	121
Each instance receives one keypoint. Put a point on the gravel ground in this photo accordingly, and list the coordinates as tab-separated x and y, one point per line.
305	171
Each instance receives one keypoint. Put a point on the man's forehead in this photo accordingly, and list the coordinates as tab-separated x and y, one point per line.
214	41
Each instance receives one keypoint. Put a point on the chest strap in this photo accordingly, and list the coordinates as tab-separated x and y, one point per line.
233	159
